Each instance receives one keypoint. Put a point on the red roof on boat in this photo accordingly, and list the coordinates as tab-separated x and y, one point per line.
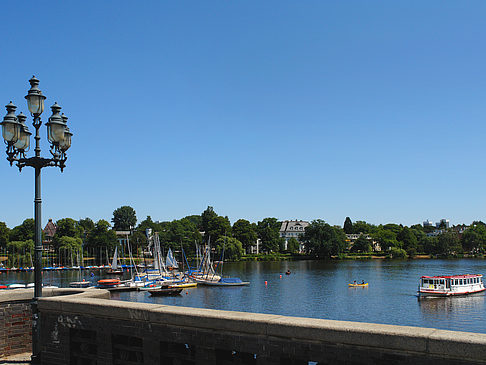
453	276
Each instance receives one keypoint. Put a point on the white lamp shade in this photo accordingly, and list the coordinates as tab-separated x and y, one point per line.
55	132
23	142
10	131
66	142
35	103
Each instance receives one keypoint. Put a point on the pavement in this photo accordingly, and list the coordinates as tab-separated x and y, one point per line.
16	359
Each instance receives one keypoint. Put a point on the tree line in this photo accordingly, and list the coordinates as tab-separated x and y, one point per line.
320	239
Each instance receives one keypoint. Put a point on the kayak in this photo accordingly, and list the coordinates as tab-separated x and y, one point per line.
358	285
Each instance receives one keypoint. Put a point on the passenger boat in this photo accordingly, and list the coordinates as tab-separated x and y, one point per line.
448	285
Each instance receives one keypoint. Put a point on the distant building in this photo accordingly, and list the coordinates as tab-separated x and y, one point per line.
428	223
293	229
351	239
49	232
443	222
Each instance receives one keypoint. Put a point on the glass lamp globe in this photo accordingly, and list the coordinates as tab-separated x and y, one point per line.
23	142
66	142
55	126
10	126
35	99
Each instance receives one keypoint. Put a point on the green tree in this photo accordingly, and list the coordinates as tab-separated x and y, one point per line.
4	234
408	241
147	223
206	217
386	239
429	244
217	227
395	228
70	248
233	249
244	232
293	245
348	226
322	240
20	253
448	243
362	244
180	232
124	218
474	238
196	220
398	253
138	240
66	227
23	232
269	233
85	227
429	229
363	227
102	236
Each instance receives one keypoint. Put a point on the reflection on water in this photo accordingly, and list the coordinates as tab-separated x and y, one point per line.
318	289
460	312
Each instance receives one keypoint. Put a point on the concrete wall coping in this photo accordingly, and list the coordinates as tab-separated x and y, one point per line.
453	344
25	295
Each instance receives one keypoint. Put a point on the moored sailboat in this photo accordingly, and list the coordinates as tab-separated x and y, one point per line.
115	270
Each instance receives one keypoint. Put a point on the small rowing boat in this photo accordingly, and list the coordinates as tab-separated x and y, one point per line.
165	291
108	283
357	285
184	285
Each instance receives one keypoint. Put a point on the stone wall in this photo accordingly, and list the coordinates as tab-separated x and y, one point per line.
16	317
15	328
82	330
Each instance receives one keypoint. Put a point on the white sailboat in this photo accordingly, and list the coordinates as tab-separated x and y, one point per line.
115	270
170	261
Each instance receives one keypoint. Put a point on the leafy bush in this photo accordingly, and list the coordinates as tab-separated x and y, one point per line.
398	253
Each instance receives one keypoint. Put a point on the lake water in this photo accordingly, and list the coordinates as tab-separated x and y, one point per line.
319	289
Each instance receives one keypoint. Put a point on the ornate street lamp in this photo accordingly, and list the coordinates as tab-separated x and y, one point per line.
17	138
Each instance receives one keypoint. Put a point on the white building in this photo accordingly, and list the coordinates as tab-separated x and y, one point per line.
444	222
293	229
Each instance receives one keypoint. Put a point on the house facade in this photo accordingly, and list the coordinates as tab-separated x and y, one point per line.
49	232
293	229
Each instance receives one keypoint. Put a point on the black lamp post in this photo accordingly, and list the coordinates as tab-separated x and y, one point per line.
17	138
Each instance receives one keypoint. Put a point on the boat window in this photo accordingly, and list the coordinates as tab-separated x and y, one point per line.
460	281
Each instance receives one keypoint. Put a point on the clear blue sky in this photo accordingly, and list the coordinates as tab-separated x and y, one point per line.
290	109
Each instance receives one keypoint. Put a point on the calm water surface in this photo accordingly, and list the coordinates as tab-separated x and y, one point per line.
319	290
